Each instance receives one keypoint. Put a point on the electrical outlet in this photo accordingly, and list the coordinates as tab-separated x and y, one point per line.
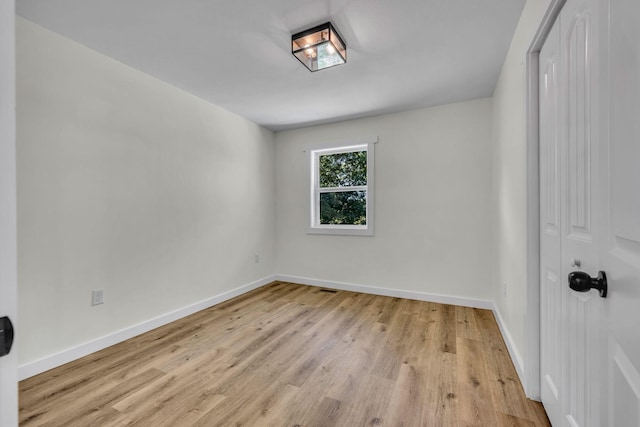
504	290
97	297
257	259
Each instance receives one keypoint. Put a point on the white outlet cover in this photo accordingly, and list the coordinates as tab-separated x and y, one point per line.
97	297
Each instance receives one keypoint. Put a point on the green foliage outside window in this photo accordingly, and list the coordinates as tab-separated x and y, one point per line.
348	208
343	169
338	171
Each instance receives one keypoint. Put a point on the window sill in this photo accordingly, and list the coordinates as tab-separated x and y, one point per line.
341	231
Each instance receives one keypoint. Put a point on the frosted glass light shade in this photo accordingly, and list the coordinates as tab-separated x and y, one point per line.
319	47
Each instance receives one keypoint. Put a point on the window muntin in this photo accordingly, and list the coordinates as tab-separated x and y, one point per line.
342	190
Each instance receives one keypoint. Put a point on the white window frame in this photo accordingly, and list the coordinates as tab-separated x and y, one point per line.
314	206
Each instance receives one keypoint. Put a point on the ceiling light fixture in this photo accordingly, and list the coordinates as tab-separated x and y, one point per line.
319	47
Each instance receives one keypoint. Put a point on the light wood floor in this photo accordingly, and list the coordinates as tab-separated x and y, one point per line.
293	355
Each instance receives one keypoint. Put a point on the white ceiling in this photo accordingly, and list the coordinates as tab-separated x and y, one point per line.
402	54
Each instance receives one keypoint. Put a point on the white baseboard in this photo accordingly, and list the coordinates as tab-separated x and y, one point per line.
516	358
33	368
389	292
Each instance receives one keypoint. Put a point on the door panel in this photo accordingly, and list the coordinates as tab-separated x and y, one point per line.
621	214
578	66
625	127
625	396
570	123
581	364
552	290
580	110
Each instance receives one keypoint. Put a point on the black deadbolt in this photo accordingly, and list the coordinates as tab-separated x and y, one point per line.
582	282
6	336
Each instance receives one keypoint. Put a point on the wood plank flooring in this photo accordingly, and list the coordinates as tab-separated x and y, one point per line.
294	355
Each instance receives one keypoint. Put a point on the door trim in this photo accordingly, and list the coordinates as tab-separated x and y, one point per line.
8	231
531	380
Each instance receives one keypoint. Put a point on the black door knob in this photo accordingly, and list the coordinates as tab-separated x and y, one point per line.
6	336
582	282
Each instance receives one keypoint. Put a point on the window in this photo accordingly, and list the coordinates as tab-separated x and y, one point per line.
342	190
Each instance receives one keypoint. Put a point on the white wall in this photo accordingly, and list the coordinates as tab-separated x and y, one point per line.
8	281
509	178
432	206
128	184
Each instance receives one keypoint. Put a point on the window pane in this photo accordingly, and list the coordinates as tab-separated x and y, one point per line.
343	169
347	207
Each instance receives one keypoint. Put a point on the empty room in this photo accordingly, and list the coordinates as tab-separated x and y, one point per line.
319	213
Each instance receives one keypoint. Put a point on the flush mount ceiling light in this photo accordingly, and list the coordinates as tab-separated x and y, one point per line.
319	47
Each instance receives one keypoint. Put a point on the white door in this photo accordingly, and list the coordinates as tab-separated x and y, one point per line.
8	287
569	125
590	214
620	182
553	292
